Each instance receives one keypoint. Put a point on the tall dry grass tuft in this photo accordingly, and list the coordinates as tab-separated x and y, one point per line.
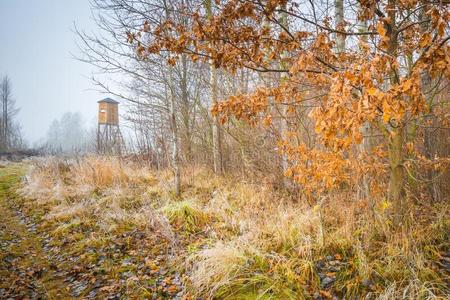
217	268
412	290
101	190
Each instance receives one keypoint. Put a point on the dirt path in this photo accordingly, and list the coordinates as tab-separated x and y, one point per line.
26	272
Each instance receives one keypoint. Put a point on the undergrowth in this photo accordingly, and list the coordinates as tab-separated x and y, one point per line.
241	240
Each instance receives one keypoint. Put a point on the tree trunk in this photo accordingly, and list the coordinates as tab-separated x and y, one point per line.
397	178
396	136
284	126
185	109
429	135
175	160
216	134
339	19
366	130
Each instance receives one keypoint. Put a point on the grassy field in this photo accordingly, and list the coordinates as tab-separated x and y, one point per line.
25	269
104	228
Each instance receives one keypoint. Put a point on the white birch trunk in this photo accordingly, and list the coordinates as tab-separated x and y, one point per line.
175	159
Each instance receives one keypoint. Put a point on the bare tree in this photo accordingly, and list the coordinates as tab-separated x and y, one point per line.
9	111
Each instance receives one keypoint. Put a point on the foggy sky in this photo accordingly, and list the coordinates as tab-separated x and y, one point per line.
36	42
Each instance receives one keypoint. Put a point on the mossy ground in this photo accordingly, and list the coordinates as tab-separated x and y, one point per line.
25	269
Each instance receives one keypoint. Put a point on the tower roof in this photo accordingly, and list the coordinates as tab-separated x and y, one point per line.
108	100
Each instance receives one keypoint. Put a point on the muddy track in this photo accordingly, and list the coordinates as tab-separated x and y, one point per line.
26	269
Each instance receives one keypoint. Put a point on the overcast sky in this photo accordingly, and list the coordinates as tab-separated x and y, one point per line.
36	42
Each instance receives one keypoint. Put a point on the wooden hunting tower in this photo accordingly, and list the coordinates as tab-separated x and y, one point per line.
109	138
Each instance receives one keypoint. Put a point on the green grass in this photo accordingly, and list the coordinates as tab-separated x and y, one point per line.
10	177
186	215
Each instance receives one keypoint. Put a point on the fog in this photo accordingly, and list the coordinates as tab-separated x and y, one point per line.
37	48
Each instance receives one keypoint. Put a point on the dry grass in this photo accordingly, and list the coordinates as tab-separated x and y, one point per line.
250	242
110	193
